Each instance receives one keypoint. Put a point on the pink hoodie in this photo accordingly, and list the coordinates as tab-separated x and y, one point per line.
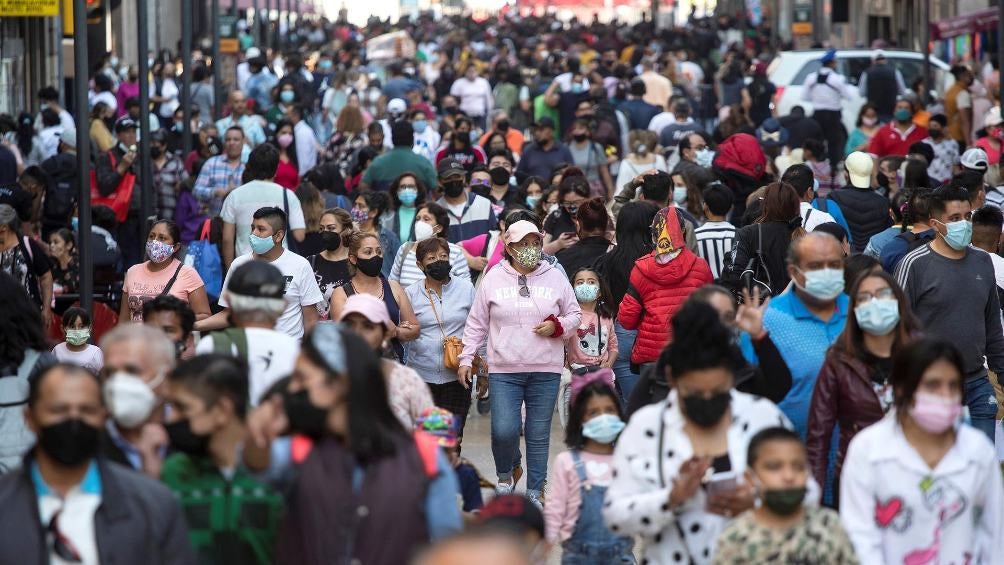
506	320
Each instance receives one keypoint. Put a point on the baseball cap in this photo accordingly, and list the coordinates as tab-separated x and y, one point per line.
514	513
993	117
544	122
449	167
397	106
771	133
830	55
878	55
258	279
439	423
252	52
859	168
369	307
518	230
8	216
124	123
69	137
975	159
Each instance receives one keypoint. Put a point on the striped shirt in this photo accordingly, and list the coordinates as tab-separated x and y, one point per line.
406	272
216	174
473	219
995	197
714	243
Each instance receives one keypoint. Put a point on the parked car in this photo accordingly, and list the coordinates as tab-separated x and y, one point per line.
789	70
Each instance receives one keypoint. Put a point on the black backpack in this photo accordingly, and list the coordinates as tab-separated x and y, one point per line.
60	199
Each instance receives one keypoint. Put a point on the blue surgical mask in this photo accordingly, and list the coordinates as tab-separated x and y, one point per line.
419	126
705	157
407	196
680	194
878	316
603	428
260	245
902	115
586	292
287	96
324	64
531	201
960	234
824	284
75	223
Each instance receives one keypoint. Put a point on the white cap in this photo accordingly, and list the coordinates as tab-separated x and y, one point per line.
251	53
879	54
975	158
397	106
859	169
993	117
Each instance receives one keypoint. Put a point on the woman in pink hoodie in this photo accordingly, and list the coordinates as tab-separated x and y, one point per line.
524	308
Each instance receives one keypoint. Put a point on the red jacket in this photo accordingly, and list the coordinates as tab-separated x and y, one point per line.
654	294
889	141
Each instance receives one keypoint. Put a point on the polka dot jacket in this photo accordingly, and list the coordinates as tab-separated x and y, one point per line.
638	504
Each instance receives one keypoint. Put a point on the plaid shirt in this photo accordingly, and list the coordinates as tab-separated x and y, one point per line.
216	174
166	181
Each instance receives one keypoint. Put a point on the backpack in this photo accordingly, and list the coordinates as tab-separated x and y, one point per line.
60	200
204	257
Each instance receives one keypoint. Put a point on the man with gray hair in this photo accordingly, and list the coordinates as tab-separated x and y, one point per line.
255	296
137	360
806	319
24	259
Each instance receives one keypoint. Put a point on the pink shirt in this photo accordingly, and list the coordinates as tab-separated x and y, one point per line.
408	395
143	285
993	155
564	499
476	245
585	347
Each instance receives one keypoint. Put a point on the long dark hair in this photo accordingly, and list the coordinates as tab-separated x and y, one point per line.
851	340
573	430
21	324
909	364
25	132
604	306
291	150
374	430
634	240
700	341
780	203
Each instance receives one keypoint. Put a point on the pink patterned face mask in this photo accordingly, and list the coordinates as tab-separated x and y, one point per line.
935	413
158	251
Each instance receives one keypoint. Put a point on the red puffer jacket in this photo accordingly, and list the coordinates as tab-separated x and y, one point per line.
654	294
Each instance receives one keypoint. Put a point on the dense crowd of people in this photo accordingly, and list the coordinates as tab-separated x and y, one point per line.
768	339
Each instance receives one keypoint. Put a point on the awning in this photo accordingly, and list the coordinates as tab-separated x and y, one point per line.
973	22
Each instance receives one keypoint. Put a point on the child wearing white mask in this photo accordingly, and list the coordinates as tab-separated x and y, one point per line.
76	349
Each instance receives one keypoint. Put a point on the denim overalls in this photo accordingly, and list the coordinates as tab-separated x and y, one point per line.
592	543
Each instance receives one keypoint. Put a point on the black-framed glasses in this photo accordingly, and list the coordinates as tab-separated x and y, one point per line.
61	545
524	290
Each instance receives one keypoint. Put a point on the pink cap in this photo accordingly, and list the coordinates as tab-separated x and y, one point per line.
518	230
369	306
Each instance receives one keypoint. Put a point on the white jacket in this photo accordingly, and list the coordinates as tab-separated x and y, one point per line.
637	502
896	510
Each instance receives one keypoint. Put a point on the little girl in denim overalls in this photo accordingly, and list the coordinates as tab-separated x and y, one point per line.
573	514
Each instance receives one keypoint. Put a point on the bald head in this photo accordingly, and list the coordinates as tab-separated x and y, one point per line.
142	350
815	250
238	103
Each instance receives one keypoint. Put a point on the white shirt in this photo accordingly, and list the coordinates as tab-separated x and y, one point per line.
426	143
169	90
271	356
660	121
76	514
241	204
91	358
306	146
301	290
812	217
827	96
50	139
475	96
106	97
891	502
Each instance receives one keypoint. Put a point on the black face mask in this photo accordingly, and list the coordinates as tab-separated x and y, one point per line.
499	175
331	240
580	137
439	270
463	138
502	126
706	412
783	502
70	442
370	267
935	133
453	188
183	439
156	152
303	417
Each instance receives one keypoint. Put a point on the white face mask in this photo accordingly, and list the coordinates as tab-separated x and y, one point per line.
129	399
423	231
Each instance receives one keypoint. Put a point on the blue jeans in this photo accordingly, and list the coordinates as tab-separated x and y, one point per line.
622	366
982	405
509	391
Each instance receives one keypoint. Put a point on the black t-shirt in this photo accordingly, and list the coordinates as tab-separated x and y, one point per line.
881	367
26	265
330	275
558	222
19	200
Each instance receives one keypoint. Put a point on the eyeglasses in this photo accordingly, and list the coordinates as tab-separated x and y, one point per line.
61	545
880	294
480	182
524	290
407	187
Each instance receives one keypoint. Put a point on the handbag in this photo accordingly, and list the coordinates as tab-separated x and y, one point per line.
452	345
119	199
204	256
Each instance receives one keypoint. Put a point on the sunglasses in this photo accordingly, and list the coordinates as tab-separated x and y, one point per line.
524	290
61	545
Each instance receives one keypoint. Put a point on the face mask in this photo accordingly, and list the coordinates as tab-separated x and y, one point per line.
463	138
453	188
785	501
960	234
935	413
705	157
158	251
407	196
603	428
70	442
129	399
706	412
419	126
902	115
587	292
78	337
680	194
642	149
260	245
303	417
878	317
869	121
370	267
423	231
284	139
531	202
824	284
183	439
75	223
325	65
331	240
499	175
935	133
502	126
438	271
156	152
359	216
580	137
287	96
528	257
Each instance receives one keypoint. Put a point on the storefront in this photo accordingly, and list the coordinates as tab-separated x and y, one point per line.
968	37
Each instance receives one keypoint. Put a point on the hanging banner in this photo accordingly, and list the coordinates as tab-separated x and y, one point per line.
26	8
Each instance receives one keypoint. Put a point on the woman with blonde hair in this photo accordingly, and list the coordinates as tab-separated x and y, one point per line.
312	204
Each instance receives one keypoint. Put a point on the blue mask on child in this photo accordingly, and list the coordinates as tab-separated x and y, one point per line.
603	428
419	126
287	96
587	292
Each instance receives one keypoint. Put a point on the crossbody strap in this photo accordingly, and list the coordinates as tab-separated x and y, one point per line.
428	294
174	277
